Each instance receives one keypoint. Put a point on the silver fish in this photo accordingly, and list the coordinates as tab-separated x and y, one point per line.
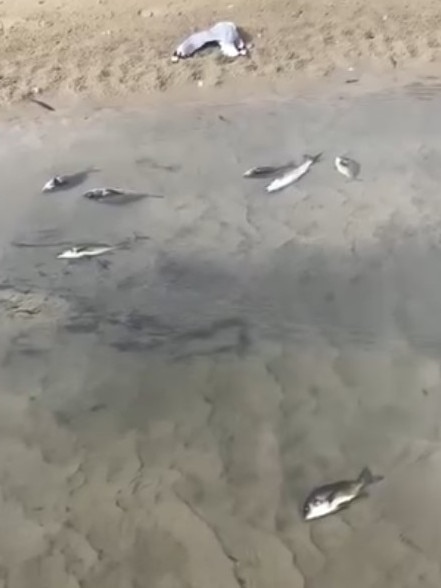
54	183
334	497
81	252
293	174
264	171
348	167
101	193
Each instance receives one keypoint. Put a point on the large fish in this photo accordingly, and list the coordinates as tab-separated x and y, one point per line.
82	252
294	174
331	498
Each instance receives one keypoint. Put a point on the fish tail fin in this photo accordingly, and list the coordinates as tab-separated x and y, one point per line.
367	478
313	158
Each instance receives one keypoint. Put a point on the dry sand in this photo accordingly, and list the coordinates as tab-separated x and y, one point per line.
163	417
109	48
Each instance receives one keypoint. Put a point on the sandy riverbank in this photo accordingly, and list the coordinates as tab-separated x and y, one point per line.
109	48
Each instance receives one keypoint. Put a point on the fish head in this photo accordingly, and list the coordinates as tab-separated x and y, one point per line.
49	185
314	507
73	253
317	507
59	181
94	194
307	511
55	182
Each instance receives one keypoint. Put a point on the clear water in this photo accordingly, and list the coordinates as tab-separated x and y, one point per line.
163	415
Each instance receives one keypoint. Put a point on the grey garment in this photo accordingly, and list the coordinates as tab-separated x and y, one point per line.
225	34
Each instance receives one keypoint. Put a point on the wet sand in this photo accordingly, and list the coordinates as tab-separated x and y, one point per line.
163	415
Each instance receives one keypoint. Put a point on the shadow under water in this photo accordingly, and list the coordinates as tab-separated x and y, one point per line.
240	388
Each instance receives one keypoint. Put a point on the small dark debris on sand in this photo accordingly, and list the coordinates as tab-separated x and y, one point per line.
44	105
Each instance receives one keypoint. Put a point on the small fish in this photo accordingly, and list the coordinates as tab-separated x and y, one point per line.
334	497
54	183
348	167
101	193
293	174
265	171
81	252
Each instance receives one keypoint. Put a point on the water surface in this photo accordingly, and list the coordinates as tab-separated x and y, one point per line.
163	414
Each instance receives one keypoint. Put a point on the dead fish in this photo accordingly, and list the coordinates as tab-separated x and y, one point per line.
265	171
54	183
348	167
101	193
293	174
334	497
118	197
81	252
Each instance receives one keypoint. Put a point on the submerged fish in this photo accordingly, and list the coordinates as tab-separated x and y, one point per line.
263	171
101	193
54	183
334	497
80	252
117	197
348	167
294	174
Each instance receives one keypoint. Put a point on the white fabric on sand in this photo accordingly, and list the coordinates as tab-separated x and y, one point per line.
225	34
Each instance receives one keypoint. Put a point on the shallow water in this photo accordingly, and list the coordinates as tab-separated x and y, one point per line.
164	415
